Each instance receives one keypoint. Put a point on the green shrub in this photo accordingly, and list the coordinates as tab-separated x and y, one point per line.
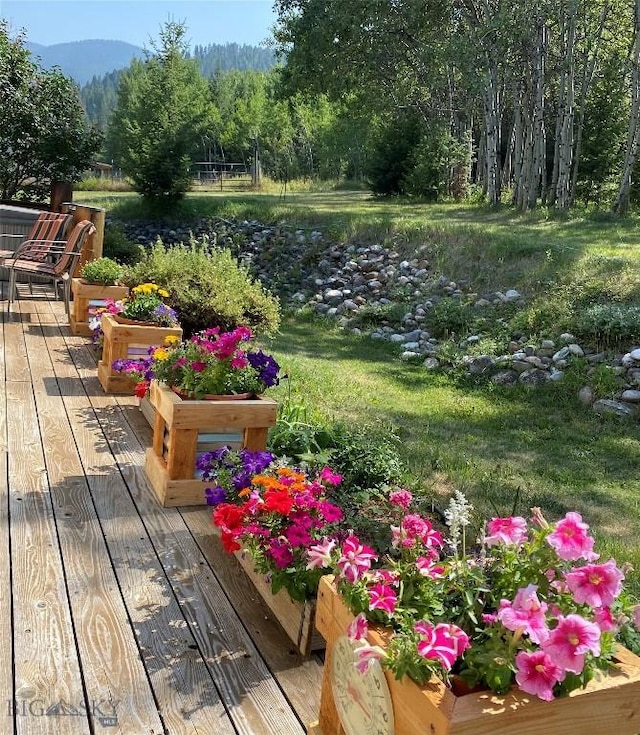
449	317
301	435
207	288
366	457
118	247
610	325
104	271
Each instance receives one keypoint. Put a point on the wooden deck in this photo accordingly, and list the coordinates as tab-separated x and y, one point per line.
117	615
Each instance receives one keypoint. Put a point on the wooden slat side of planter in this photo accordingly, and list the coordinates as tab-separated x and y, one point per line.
296	618
609	705
88	296
148	410
124	341
178	428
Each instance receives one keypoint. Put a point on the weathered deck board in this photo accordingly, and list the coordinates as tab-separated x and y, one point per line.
47	669
300	679
253	698
252	695
109	603
111	665
6	661
186	696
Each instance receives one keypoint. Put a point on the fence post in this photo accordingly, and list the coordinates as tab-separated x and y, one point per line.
92	249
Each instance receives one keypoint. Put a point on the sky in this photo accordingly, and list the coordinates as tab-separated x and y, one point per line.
137	21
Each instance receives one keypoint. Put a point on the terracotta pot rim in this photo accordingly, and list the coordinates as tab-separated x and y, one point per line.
211	396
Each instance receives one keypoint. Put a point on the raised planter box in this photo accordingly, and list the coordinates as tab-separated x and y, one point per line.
609	705
89	296
125	341
183	429
296	618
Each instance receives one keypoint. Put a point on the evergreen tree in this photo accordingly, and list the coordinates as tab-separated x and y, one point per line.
162	114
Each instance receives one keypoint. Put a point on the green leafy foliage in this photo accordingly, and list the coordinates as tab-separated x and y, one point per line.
43	132
104	271
207	288
118	247
162	113
611	324
449	317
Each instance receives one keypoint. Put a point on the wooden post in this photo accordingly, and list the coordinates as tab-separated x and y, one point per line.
92	249
61	191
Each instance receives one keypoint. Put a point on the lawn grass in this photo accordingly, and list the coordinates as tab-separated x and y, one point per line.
507	449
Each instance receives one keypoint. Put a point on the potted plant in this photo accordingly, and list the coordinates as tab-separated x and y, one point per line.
206	391
524	619
97	285
269	515
128	328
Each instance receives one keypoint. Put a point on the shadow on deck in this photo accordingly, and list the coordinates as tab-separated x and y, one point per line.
121	616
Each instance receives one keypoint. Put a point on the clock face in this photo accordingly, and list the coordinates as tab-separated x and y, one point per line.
362	701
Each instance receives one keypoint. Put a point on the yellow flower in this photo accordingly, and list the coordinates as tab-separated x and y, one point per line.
163	293
171	340
160	354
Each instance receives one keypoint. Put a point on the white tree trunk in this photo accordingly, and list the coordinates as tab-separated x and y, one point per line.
566	114
492	132
621	203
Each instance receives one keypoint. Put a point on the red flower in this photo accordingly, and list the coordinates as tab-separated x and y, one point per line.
278	501
228	517
229	543
141	388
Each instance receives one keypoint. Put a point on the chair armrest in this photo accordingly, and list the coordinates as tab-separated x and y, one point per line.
41	247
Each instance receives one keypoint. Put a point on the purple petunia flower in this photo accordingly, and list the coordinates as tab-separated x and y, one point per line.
266	367
215	495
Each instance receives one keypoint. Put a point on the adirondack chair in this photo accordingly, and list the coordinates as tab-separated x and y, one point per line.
56	260
48	226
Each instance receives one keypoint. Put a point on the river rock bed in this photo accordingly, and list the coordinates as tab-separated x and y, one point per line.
343	281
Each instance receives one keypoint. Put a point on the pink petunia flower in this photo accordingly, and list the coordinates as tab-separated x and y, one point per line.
414	529
297	535
636	616
511	531
366	655
382	597
525	613
442	642
330	477
537	674
604	619
570	539
355	559
358	628
597	585
320	554
401	498
384	576
330	512
280	552
428	568
570	640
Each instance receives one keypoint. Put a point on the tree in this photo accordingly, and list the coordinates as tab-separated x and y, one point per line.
43	132
621	203
162	114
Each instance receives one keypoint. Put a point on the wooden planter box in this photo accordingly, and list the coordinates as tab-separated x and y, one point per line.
124	341
184	429
609	705
88	296
296	618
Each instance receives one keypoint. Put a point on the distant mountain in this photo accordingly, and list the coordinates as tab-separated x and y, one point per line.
83	60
